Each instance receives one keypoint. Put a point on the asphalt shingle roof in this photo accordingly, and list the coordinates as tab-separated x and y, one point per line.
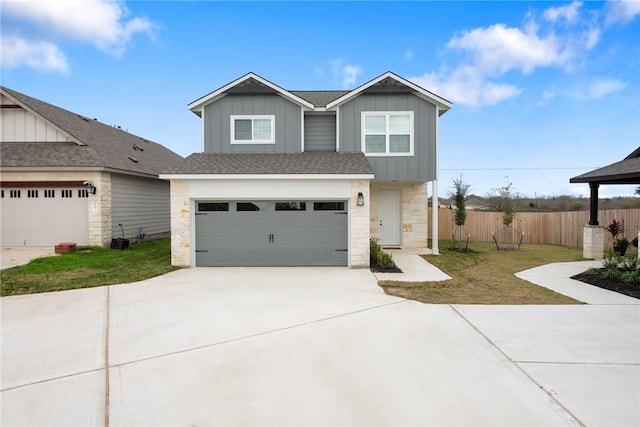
626	171
319	98
104	146
325	163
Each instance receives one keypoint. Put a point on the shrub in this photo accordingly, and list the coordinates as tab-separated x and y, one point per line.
612	273
383	259
611	260
631	277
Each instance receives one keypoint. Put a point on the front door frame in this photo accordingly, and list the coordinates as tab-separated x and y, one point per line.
390	203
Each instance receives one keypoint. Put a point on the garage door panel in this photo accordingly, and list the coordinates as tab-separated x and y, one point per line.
44	221
270	237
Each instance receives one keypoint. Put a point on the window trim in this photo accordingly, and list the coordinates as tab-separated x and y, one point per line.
386	114
252	117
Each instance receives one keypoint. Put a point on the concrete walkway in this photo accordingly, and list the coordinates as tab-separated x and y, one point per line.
310	346
414	267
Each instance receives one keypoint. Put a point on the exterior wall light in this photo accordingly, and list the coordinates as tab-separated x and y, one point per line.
91	189
360	199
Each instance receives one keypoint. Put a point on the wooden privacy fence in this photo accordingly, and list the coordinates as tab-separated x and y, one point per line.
558	228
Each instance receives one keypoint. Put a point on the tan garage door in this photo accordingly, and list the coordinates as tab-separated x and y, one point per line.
44	217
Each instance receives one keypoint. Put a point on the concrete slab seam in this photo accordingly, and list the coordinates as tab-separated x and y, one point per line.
75	374
560	407
257	334
106	356
537	362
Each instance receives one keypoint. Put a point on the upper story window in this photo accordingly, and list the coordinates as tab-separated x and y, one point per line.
386	133
252	129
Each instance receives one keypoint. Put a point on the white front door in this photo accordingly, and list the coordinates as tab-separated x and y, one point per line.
390	218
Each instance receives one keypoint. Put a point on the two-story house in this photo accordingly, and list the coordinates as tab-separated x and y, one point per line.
303	178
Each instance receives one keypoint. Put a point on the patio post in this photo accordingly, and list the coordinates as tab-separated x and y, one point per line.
593	213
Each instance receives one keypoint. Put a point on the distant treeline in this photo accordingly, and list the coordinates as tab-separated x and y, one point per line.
545	204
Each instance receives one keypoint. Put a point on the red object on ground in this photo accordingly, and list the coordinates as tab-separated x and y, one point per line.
64	247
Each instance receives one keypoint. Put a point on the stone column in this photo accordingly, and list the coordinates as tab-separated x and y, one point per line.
100	211
180	224
593	241
359	231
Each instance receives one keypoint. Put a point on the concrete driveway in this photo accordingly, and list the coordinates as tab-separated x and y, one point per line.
309	346
14	256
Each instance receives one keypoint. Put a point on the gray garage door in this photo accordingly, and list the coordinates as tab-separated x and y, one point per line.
268	233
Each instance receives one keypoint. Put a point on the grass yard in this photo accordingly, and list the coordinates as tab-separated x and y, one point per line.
88	267
486	276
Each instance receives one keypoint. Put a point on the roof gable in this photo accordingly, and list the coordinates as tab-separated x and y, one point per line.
249	83
94	144
392	83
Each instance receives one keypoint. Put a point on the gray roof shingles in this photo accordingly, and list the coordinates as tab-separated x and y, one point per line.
104	146
324	163
625	171
319	98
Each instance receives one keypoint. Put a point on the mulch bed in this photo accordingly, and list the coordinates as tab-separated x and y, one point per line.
376	268
629	289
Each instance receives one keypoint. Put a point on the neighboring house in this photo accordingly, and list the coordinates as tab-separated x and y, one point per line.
49	157
305	177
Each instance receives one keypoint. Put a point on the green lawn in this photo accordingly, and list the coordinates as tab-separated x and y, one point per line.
486	276
89	267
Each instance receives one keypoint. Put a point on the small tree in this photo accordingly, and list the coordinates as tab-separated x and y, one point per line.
503	200
459	193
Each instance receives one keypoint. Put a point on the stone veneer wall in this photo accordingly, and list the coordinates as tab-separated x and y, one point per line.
359	229
180	224
414	212
99	206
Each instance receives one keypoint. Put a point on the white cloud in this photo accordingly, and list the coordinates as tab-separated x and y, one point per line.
476	60
621	11
569	13
468	87
603	87
348	73
40	55
104	24
498	49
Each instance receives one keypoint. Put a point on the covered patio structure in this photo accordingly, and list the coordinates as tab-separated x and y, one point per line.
626	171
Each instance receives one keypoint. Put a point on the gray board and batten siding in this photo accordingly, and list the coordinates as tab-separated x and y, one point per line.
320	132
421	166
217	123
139	202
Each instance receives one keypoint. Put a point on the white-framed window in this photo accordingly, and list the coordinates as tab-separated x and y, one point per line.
252	130
387	133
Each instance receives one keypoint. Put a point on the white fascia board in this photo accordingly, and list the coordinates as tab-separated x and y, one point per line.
266	177
197	105
442	103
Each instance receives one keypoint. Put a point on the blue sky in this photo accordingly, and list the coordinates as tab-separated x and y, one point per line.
541	91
